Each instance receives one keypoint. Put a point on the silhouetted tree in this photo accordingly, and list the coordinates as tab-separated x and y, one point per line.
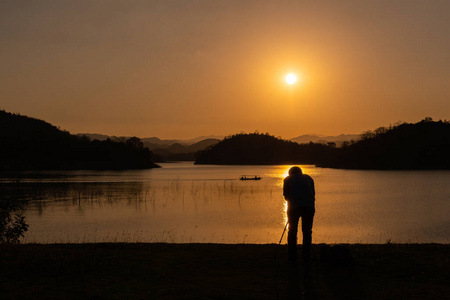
12	223
135	142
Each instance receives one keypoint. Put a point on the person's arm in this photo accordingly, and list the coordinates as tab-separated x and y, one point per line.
312	187
286	189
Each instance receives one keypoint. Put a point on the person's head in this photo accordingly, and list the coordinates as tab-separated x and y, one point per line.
295	170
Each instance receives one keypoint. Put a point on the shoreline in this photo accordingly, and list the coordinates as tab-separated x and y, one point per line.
224	271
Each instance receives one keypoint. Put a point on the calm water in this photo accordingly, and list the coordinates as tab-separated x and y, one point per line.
185	203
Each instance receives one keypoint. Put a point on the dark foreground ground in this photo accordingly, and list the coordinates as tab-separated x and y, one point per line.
211	271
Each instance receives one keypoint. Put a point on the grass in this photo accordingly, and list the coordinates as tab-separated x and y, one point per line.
219	271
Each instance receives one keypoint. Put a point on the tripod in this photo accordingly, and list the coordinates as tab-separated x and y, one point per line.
282	235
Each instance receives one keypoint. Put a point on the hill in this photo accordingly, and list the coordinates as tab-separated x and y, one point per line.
261	149
31	144
424	145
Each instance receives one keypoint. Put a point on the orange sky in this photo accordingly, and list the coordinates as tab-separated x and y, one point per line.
181	69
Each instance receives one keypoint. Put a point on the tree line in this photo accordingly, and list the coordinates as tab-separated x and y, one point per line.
423	145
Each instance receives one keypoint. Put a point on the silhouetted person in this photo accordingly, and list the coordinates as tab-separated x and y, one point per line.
299	192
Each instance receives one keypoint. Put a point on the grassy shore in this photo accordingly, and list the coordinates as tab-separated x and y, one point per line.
216	271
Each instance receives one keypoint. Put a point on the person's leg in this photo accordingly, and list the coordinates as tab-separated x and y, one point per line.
293	218
307	215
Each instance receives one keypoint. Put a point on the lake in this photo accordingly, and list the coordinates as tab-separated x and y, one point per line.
184	203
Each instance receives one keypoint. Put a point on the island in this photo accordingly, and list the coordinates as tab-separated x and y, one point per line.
421	146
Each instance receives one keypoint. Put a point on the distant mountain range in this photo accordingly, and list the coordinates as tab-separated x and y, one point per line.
167	150
154	142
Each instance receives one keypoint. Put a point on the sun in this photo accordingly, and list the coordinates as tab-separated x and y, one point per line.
291	78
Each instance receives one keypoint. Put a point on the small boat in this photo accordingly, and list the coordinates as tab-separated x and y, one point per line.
250	177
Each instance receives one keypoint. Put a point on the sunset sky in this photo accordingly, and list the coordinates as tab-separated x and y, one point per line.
182	69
